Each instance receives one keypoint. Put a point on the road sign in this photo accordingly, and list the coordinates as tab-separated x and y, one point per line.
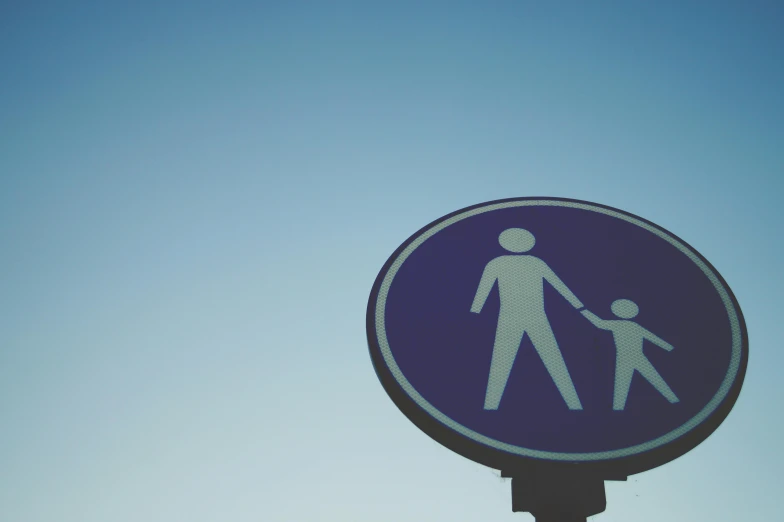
548	330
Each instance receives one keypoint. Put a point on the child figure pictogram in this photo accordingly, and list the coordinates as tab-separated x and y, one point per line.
629	337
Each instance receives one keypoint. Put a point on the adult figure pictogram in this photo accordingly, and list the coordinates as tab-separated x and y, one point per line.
629	337
521	288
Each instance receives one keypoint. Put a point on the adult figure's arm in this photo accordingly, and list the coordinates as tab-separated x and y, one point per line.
552	278
485	285
658	341
597	322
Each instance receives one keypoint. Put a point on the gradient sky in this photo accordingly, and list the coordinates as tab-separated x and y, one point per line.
196	198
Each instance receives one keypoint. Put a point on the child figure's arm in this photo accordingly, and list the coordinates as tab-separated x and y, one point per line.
597	322
658	341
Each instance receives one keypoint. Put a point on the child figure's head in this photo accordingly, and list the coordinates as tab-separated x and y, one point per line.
624	308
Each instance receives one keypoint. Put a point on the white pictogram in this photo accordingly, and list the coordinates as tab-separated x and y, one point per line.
629	337
521	287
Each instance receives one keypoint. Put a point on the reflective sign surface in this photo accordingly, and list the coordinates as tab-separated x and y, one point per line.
556	330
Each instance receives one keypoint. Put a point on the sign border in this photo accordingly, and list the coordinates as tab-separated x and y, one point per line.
493	453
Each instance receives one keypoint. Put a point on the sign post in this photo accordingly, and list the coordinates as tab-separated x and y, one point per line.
560	341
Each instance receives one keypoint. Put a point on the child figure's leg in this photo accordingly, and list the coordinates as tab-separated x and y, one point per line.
623	380
649	372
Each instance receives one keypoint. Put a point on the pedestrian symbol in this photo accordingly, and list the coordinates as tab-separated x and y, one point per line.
556	330
629	338
520	285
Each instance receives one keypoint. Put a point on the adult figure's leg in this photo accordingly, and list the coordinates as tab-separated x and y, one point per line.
508	335
652	376
547	347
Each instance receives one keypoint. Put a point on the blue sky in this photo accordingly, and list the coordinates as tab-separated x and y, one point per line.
195	200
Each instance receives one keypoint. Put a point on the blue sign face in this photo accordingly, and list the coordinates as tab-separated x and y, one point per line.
556	330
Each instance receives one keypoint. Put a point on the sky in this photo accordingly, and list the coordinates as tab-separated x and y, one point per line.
195	200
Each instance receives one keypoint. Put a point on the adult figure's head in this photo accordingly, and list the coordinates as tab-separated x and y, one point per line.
517	240
624	308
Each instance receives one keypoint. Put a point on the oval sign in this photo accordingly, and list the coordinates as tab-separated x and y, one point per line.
556	330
